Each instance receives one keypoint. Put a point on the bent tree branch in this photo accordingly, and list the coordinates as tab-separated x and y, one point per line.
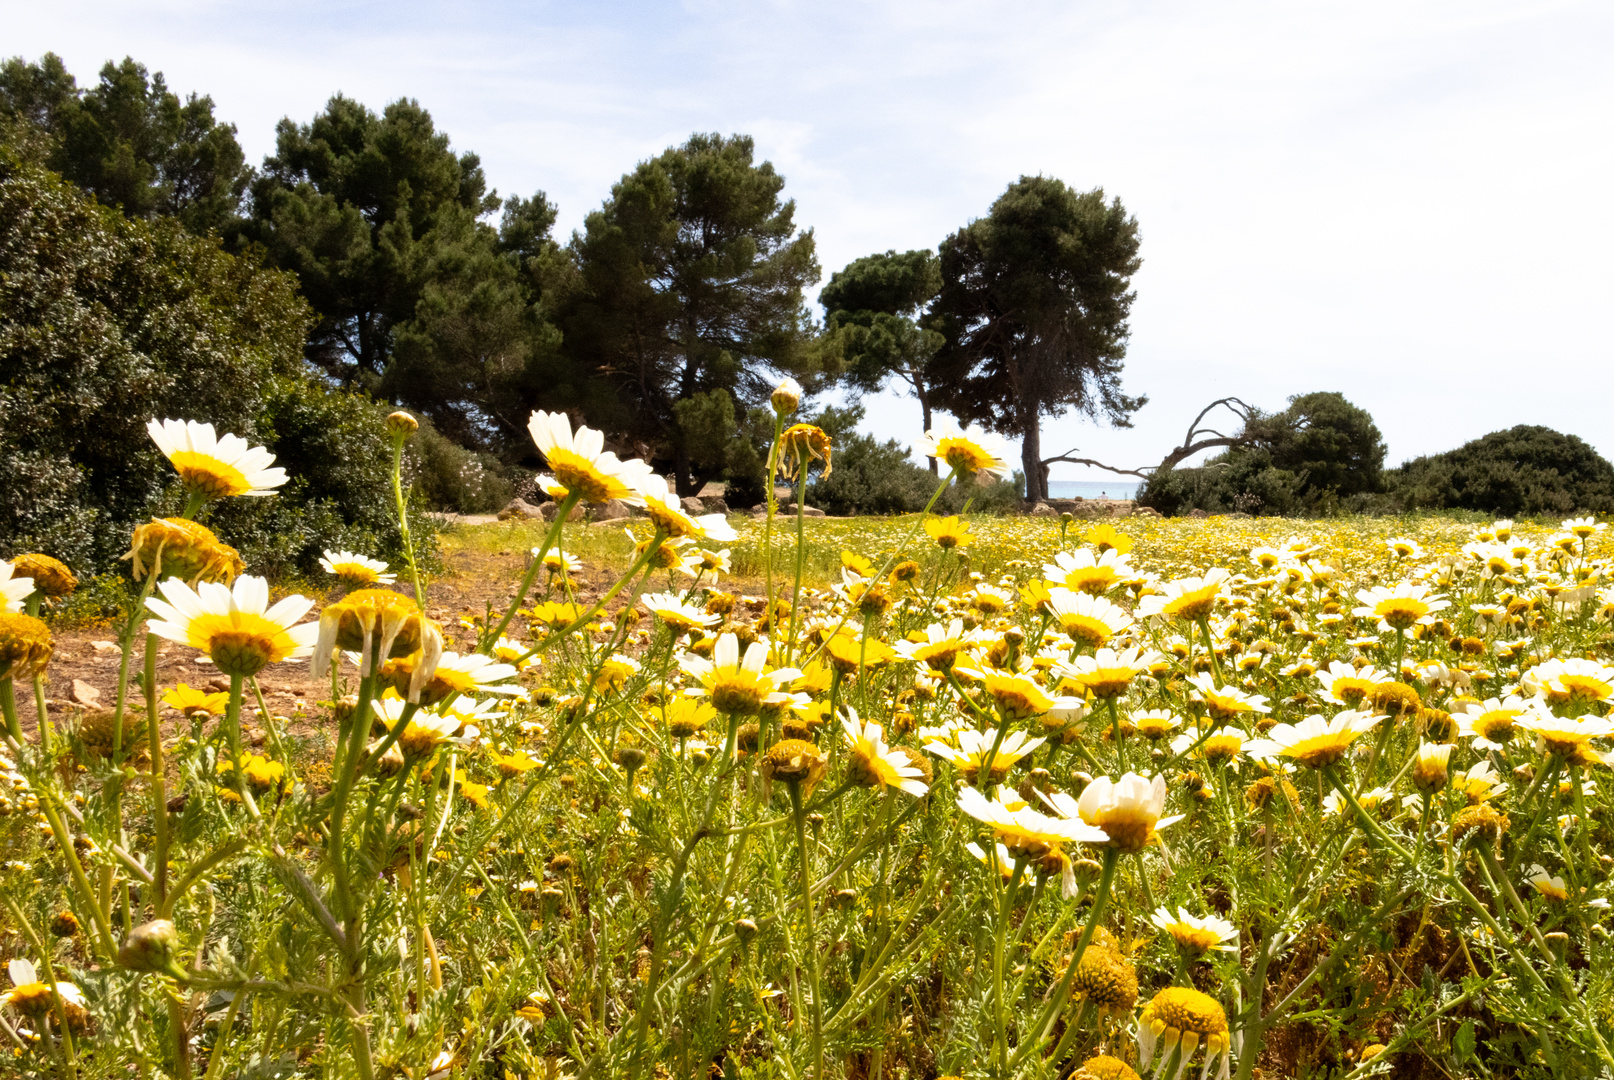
1198	438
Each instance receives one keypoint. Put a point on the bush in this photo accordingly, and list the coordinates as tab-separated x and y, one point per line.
1523	470
1306	459
453	479
107	322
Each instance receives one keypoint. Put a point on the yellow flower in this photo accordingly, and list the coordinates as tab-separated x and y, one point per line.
1016	696
1347	685
1224	703
236	627
1027	833
968	451
1575	679
949	532
848	652
794	761
939	647
356	571
968	750
176	547
13	590
1553	888
1400	608
1105	537
682	616
212	466
475	794
1490	723
51	577
190	702
666	512
1106	674
430	677
1563	735
513	765
25	646
33	998
261	773
372	622
1180	1018
856	563
555	614
582	464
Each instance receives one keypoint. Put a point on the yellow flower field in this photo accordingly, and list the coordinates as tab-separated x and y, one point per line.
818	798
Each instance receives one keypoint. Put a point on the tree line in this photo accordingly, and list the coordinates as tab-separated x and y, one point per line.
665	320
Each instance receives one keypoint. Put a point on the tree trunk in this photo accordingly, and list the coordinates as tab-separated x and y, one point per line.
924	407
683	482
1031	461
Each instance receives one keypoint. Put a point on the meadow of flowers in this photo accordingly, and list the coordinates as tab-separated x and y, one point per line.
960	796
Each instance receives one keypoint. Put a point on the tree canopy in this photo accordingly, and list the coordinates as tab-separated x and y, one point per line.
417	299
130	140
874	307
1034	304
689	289
1524	470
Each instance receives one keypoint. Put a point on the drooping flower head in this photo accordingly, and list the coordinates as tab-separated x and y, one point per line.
1179	1019
375	622
51	576
802	444
236	627
180	548
25	646
581	463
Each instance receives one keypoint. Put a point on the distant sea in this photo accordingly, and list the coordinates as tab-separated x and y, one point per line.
1092	489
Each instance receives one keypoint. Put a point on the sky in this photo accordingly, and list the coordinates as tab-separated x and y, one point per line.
1407	202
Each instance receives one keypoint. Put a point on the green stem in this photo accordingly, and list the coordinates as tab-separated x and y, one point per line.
158	780
8	706
403	522
1000	1018
561	514
811	944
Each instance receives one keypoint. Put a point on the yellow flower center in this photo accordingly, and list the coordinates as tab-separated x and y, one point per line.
1092	580
208	476
578	474
1085	629
25	646
1495	725
1401	612
240	643
964	455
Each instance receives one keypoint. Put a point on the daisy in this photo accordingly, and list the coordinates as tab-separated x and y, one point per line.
1403	547
1086	619
1105	674
375	622
1564	735
1190	599
1181	1018
1225	702
738	686
939	647
582	464
665	510
1479	783
1026	833
1197	934
33	998
1086	572
968	749
1347	685
1553	888
874	764
948	532
682	616
1575	679
1128	810
213	467
1490	723
1315	741
13	590
235	626
356	571
967	451
1400	608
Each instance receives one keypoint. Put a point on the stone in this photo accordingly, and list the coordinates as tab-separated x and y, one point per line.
1145	511
548	510
1042	509
1196	512
610	510
789	510
86	695
520	509
692	505
714	504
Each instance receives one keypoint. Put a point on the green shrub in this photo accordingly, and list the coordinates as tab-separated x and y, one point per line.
108	322
453	479
1523	470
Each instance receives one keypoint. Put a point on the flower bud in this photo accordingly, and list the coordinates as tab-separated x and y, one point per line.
150	946
745	930
1429	772
786	397
400	425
